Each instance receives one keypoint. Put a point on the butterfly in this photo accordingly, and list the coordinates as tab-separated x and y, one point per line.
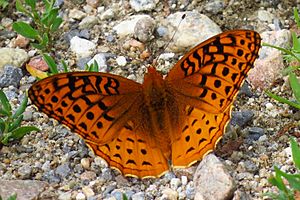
144	130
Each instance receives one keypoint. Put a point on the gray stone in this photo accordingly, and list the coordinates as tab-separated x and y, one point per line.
117	194
25	171
144	28
143	5
25	189
16	57
51	177
212	181
214	6
63	170
138	196
255	133
10	75
241	118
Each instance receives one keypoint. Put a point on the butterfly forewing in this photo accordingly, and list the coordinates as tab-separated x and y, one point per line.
209	76
94	105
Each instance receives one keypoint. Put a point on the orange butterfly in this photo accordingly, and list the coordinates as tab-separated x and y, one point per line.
143	130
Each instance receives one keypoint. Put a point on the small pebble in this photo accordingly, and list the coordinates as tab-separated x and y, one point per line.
269	106
121	61
88	191
80	196
85	163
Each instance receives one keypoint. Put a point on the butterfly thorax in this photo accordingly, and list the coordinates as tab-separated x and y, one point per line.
162	112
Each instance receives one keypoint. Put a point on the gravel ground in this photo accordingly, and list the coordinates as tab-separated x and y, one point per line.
61	159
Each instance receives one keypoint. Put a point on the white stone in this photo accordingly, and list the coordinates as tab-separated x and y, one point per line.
15	57
126	27
166	56
88	22
65	196
108	14
170	194
76	14
85	163
82	47
212	181
88	191
269	106
193	29
175	182
184	180
264	15
80	196
101	61
121	61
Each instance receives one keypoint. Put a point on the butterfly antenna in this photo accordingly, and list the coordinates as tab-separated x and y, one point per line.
166	46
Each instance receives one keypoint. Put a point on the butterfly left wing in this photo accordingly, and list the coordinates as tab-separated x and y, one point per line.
94	105
209	76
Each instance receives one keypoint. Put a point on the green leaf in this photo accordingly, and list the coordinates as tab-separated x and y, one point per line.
45	40
22	107
51	63
296	42
286	71
12	197
31	3
277	181
283	100
6	138
65	66
283	50
295	85
5	112
16	123
20	7
49	17
95	67
49	5
56	23
21	131
38	46
296	15
3	4
2	126
25	30
5	105
295	152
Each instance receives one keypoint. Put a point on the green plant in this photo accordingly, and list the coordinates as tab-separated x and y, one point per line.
292	56
45	23
3	4
12	197
287	192
10	123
